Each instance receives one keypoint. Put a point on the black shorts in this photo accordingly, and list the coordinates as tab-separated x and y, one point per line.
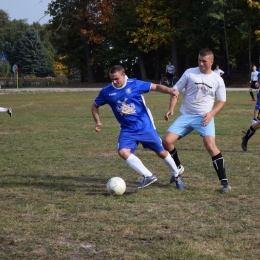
253	86
169	75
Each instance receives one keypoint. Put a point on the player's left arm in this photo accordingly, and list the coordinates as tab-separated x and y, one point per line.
208	116
221	97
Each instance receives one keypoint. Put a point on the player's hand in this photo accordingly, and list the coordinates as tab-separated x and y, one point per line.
97	127
169	113
175	93
206	119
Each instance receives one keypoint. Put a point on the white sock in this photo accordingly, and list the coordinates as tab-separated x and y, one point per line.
3	109
171	165
136	164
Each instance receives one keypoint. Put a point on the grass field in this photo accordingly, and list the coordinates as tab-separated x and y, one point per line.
54	203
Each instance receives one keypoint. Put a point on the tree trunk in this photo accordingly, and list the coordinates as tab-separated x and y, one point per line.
157	65
142	66
226	43
174	56
90	72
249	50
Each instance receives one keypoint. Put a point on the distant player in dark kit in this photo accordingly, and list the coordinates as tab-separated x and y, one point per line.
248	134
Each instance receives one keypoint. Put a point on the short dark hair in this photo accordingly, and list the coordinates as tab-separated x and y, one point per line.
205	52
116	68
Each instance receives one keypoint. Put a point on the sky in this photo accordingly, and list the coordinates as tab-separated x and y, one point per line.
32	10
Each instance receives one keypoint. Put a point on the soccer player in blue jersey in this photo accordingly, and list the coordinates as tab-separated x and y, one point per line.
125	97
248	134
198	109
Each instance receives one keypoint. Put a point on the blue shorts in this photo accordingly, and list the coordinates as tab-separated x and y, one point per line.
257	105
185	124
149	140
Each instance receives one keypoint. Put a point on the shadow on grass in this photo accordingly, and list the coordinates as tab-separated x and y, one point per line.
88	185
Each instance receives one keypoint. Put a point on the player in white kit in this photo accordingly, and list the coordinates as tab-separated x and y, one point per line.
198	110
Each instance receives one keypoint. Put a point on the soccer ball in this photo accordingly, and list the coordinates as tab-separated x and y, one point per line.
116	186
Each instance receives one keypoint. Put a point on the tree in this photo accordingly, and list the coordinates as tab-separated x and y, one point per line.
4	23
30	54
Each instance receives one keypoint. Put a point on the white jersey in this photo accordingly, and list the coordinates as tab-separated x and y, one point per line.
219	71
170	69
200	91
254	75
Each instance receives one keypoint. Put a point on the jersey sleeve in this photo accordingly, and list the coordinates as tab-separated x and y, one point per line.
100	100
182	82
143	86
221	90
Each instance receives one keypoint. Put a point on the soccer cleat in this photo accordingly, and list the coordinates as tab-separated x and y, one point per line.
252	99
147	181
225	187
255	120
9	112
244	144
178	181
181	169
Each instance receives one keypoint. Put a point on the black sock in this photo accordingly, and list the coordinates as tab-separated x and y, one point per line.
250	132
252	94
219	166
175	157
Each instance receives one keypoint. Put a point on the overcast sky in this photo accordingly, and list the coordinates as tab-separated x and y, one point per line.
32	10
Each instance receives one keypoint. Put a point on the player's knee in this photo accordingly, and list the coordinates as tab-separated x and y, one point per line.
163	154
211	147
124	153
168	141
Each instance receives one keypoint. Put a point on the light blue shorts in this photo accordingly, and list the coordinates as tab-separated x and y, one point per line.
185	124
149	140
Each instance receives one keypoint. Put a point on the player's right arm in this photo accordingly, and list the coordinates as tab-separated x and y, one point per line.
95	114
170	112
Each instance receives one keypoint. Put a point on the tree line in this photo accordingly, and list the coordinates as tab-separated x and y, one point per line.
143	35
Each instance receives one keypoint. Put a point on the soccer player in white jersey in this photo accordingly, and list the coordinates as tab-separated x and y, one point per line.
197	111
7	110
219	71
169	70
125	97
253	82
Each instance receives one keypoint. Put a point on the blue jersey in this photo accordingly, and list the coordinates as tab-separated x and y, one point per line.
128	105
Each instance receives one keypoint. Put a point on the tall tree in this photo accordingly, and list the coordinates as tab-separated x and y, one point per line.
76	26
30	54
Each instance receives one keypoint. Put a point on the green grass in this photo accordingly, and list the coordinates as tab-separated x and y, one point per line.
54	169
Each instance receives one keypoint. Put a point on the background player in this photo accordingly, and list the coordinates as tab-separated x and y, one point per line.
248	134
7	110
253	82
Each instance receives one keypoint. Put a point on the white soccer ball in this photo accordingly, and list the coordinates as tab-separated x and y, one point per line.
116	186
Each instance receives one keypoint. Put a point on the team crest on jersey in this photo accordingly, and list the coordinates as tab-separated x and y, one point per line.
125	109
128	91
